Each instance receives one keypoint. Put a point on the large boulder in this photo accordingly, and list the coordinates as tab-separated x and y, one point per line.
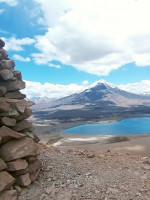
15	149
6	180
7	64
22	125
12	86
7	121
8	195
6	134
6	74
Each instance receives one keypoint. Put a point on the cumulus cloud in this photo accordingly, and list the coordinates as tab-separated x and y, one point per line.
36	89
95	36
10	2
20	58
142	87
17	44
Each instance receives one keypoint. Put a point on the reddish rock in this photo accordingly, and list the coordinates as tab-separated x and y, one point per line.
22	125
7	121
6	180
4	107
8	195
2	165
23	180
7	134
17	165
34	175
6	74
15	95
15	149
12	86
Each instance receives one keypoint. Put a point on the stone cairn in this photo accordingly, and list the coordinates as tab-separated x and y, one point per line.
19	165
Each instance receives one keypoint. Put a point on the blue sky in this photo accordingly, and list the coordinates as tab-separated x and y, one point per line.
61	47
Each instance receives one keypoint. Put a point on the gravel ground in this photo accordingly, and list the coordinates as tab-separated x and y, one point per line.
81	174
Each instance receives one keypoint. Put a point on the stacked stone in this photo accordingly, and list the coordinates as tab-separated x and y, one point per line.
19	165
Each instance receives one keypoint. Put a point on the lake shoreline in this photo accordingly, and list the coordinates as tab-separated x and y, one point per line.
132	143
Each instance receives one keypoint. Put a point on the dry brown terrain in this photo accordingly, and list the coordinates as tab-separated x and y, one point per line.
75	174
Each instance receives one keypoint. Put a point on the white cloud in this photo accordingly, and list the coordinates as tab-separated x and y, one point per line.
36	89
53	65
142	87
17	44
20	58
1	11
95	36
10	2
4	32
85	82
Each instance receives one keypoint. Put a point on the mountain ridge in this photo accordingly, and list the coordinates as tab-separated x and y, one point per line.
102	101
101	81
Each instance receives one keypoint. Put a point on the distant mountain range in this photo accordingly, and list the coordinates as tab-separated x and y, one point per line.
41	99
47	99
145	93
100	100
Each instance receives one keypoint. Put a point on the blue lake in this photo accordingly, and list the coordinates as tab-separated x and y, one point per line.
126	126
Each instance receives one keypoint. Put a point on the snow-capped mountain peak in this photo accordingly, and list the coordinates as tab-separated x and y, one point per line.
101	81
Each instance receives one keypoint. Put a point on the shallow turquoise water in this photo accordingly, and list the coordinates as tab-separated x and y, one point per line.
126	126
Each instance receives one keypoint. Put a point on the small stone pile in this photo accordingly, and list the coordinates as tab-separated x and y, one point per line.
19	165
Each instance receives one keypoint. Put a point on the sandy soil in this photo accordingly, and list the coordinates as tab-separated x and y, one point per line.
134	144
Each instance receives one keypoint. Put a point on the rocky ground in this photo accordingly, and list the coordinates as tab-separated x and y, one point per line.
81	174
